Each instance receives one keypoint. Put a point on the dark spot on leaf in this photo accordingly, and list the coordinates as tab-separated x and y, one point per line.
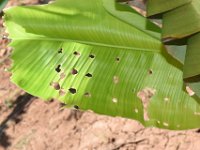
87	94
72	91
55	85
150	72
76	107
91	56
74	71
77	53
117	59
89	75
60	51
58	68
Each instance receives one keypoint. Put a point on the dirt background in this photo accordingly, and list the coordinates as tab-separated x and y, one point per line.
28	123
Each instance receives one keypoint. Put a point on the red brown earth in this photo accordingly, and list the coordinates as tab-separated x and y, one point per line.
28	123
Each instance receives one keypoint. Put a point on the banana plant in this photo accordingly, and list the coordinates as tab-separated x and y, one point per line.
3	4
184	15
102	56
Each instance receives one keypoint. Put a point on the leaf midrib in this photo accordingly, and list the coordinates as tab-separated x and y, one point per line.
90	43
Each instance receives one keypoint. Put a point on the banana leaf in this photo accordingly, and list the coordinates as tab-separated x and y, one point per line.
159	6
182	22
99	56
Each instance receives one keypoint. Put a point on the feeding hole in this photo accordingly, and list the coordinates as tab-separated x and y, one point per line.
76	107
60	51
145	95
136	110
166	99
117	59
91	56
72	91
116	79
74	72
114	100
62	76
89	75
150	71
55	85
62	92
58	69
189	91
76	53
165	124
197	113
87	94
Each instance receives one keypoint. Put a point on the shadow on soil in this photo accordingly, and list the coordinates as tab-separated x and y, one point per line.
20	105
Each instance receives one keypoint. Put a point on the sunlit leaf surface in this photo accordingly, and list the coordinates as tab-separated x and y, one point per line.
94	56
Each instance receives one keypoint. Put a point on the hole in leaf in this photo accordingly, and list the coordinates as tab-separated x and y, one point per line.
165	124
62	76
189	91
158	122
117	59
150	72
115	100
72	91
76	53
87	94
145	95
197	113
166	99
76	107
60	51
58	69
88	75
116	79
91	56
136	110
74	72
55	85
62	92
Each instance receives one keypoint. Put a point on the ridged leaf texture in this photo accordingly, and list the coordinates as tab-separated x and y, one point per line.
182	23
102	56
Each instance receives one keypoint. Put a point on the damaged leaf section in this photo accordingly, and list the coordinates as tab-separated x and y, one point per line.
145	96
104	62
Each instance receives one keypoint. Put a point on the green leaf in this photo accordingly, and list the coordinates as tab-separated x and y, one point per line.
3	4
182	21
177	51
159	6
87	54
192	60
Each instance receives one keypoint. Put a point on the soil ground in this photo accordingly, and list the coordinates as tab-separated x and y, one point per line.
28	123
